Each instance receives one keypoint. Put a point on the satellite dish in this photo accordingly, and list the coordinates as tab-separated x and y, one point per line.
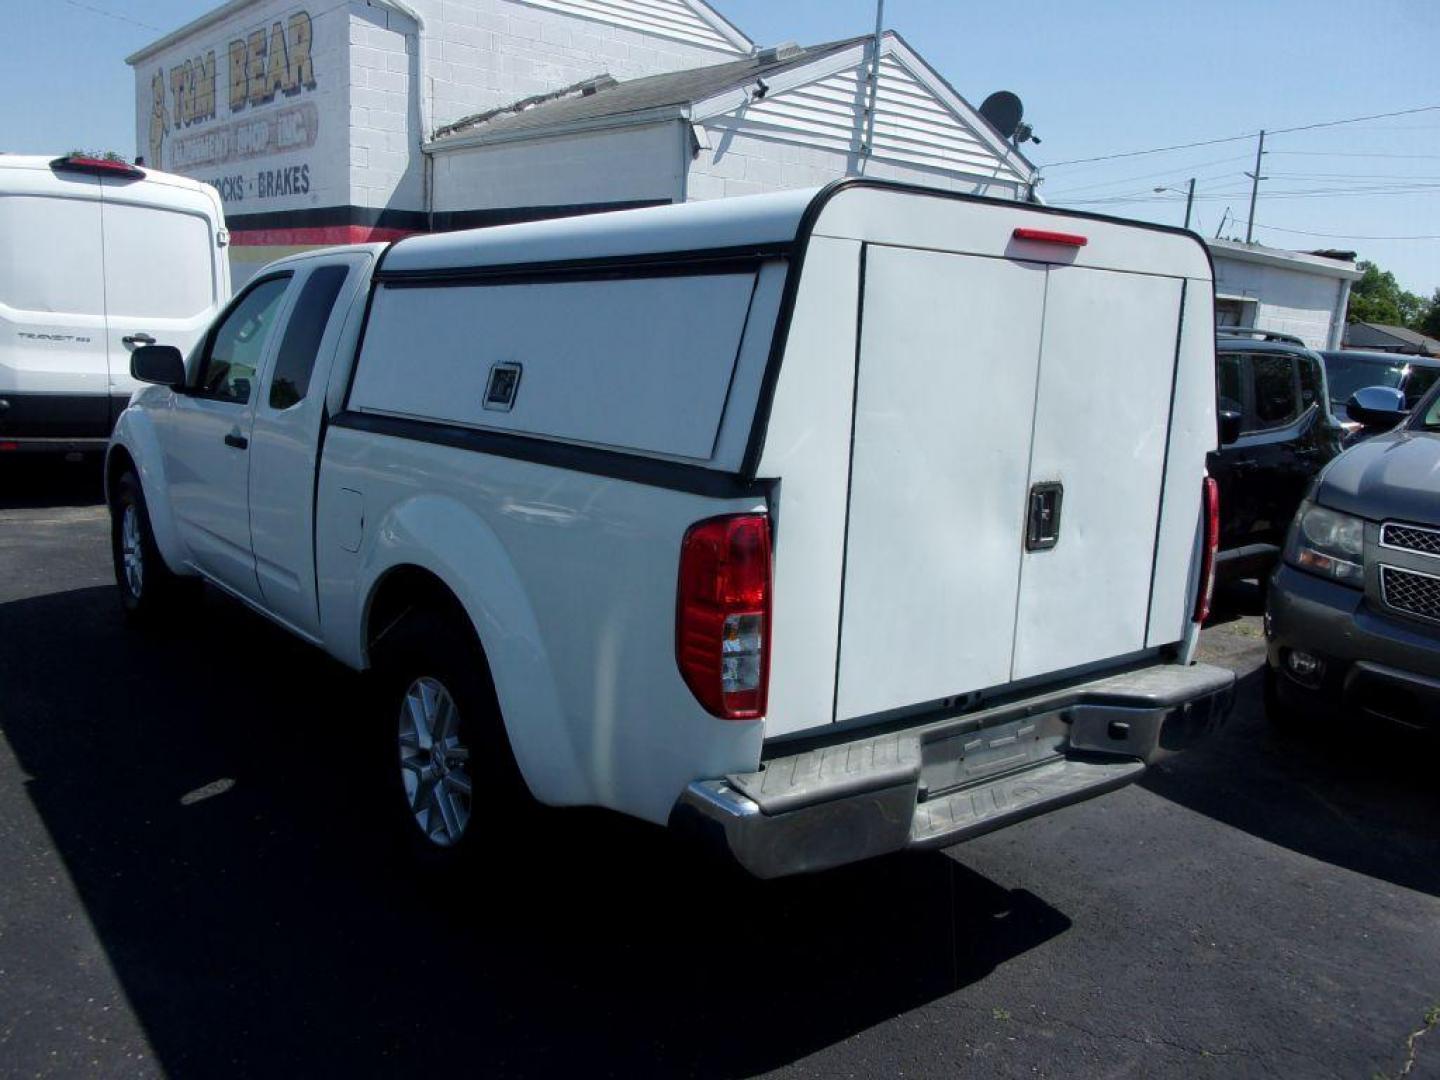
1004	110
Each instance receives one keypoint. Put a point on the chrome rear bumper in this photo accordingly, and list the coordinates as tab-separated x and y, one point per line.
948	780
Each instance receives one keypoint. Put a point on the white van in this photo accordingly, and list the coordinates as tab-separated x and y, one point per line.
823	523
96	258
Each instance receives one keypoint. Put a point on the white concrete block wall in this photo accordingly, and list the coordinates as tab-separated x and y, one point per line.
625	165
1289	301
737	163
386	167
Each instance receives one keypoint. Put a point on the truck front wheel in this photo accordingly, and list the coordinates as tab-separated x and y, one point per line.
146	584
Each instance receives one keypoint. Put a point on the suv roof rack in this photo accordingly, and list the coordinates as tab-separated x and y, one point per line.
1263	335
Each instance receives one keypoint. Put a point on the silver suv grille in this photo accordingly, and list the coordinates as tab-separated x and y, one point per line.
1415	594
1411	538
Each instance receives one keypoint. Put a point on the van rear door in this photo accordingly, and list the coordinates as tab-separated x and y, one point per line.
162	278
1010	427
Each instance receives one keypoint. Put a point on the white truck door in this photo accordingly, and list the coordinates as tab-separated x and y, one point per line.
205	437
944	403
161	281
1102	415
285	438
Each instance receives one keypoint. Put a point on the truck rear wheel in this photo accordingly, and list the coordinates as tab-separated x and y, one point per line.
451	777
146	584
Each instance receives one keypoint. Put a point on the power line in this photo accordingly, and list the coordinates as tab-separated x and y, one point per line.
1356	153
113	15
1341	236
1149	176
1240	138
1327	193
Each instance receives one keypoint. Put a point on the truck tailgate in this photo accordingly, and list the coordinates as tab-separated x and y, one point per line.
1006	475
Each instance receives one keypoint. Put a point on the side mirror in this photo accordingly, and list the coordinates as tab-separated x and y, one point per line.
1229	426
1377	407
159	364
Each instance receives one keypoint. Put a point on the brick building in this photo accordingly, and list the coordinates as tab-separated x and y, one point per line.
326	123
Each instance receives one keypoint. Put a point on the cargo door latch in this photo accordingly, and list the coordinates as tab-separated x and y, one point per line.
1043	531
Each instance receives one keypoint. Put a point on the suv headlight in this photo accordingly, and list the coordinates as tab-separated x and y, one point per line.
1329	544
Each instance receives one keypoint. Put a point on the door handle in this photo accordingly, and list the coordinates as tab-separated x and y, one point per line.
238	441
141	338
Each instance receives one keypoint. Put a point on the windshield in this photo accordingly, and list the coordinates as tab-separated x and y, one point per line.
1419	383
1347	374
1429	413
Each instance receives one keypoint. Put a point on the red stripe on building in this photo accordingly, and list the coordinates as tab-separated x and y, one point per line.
319	236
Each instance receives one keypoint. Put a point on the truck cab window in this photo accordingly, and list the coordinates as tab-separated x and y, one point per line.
296	358
238	343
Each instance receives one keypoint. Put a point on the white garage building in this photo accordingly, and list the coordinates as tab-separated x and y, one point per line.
1286	291
333	123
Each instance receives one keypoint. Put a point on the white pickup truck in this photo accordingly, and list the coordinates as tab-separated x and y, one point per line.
821	524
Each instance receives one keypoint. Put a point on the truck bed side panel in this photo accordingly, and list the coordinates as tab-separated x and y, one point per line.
569	579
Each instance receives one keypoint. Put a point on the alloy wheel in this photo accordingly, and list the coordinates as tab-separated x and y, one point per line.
434	762
132	556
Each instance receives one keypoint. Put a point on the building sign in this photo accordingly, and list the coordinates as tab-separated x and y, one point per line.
219	111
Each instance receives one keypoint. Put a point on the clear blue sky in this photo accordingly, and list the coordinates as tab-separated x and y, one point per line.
1101	77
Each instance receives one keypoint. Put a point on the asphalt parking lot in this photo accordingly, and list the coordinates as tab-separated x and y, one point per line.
194	882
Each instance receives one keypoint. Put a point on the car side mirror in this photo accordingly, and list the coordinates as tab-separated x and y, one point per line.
1229	426
1377	407
159	364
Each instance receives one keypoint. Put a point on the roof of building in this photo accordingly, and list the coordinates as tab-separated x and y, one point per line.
706	11
1382	335
604	97
1327	265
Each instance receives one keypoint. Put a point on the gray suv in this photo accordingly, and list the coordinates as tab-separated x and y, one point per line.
1353	617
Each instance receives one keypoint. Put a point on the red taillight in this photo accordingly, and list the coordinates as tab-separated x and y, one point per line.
1212	545
722	622
96	167
1045	236
9	446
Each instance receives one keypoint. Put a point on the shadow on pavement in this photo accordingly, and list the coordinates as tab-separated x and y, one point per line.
1345	793
38	482
1234	600
206	792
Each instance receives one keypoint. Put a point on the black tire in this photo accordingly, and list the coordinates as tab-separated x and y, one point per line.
426	651
155	589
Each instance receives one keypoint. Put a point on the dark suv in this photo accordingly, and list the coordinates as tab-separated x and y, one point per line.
1354	609
1351	370
1279	429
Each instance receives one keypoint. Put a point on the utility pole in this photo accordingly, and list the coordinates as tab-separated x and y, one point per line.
867	144
1255	188
1189	201
1221	227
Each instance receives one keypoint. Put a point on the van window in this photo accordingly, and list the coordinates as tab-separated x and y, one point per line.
50	255
308	320
238	343
1275	402
159	264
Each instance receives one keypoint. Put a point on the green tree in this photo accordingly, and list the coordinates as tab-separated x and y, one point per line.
1377	297
1430	321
